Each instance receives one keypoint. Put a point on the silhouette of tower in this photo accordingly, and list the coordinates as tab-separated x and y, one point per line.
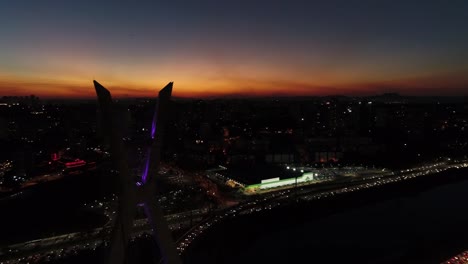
129	194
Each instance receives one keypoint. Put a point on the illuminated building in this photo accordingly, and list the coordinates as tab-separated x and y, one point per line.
277	182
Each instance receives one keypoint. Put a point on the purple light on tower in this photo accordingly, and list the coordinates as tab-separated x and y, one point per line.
148	155
153	128
153	125
145	171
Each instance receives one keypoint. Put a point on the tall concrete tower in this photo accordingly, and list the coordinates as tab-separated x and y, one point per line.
129	194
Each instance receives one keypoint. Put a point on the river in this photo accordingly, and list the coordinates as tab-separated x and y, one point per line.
422	221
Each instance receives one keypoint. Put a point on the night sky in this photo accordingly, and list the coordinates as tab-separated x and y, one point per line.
234	48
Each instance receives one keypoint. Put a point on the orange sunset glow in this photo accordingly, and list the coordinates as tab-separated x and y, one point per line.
233	51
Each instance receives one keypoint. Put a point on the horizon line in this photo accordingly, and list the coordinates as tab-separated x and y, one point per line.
216	97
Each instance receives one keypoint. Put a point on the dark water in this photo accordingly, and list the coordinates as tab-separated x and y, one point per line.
419	223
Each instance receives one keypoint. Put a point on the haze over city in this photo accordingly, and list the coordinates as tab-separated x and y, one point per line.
54	49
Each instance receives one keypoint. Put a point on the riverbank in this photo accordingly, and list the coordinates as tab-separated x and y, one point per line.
421	220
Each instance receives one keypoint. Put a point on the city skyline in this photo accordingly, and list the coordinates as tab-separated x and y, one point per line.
54	49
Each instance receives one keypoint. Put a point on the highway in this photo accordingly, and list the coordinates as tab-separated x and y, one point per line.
283	198
461	258
59	246
67	244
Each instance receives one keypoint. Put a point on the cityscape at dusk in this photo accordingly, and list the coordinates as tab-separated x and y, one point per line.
287	48
227	132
